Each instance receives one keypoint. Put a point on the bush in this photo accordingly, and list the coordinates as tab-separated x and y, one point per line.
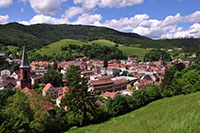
139	98
153	93
117	106
187	89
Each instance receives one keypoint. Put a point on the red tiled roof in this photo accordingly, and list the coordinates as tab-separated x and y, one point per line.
60	92
47	87
65	88
101	82
109	94
84	72
36	97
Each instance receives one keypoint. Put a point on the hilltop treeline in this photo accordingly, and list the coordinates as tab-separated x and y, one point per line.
36	36
187	44
39	35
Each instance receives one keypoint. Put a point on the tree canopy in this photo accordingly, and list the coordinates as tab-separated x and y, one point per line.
54	77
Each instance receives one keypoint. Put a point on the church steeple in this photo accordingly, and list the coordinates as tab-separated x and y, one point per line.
24	61
25	77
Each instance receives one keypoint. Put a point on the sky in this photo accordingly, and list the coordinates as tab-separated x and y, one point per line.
157	19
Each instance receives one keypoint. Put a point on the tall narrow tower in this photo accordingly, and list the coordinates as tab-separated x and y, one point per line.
25	77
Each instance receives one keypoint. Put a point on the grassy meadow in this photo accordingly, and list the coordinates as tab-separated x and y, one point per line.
178	114
55	47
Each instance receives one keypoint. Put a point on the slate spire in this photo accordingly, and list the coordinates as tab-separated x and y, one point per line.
24	61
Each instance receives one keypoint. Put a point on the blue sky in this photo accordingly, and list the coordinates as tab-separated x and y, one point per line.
152	18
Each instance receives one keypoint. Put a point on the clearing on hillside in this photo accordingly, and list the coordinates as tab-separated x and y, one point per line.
55	47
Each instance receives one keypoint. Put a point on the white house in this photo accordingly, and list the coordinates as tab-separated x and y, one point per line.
15	75
5	72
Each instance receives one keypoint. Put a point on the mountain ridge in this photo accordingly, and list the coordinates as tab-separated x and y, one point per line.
38	35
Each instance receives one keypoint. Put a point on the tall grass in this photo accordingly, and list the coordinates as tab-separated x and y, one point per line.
176	114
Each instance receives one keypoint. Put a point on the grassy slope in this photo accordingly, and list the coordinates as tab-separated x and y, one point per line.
176	114
55	47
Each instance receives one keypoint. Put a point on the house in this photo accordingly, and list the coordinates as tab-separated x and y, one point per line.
132	58
54	92
120	84
15	75
170	50
36	79
61	94
8	83
49	89
58	100
109	94
143	83
111	71
131	80
5	72
2	54
179	49
139	86
87	73
126	92
101	85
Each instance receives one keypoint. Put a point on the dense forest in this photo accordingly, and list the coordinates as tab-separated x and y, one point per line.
36	36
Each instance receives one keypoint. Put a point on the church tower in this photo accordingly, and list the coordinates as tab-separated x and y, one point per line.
25	77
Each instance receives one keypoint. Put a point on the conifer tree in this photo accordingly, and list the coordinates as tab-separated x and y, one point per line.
80	103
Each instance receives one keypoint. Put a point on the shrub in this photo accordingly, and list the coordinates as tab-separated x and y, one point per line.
117	106
187	89
152	93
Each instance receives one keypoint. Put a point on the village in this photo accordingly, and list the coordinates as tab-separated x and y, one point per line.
122	77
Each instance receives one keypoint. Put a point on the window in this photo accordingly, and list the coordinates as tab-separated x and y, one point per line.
25	74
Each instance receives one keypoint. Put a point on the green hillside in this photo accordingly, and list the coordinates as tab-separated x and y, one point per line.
55	48
177	114
38	35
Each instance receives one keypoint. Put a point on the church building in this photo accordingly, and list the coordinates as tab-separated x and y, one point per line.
25	78
26	86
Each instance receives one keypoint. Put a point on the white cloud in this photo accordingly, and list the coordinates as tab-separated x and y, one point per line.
192	31
89	4
4	19
73	11
194	17
156	29
153	28
45	7
172	20
87	19
119	3
126	23
5	3
44	19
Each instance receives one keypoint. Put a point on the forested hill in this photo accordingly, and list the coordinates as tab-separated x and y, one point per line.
36	36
